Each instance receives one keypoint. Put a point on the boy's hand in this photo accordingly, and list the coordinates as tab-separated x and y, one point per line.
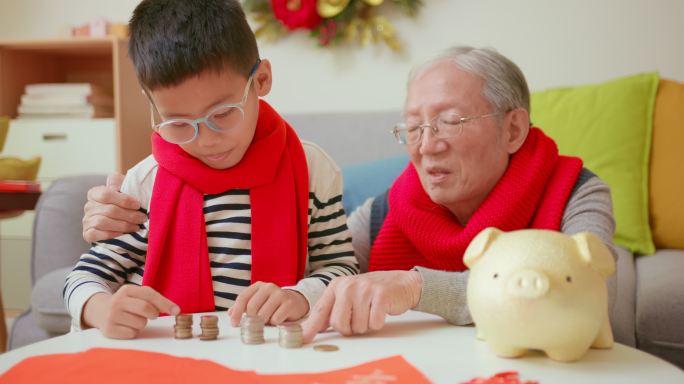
271	303
123	314
110	213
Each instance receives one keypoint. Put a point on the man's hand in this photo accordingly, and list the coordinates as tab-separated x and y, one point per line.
110	213
125	313
271	303
358	304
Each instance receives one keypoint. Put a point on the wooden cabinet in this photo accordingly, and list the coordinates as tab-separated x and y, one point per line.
102	61
67	146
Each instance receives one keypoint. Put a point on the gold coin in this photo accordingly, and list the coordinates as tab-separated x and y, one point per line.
325	348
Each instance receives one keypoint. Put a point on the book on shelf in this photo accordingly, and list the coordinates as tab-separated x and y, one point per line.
64	89
19	186
48	100
65	100
79	111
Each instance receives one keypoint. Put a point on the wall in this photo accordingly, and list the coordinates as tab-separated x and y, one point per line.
554	42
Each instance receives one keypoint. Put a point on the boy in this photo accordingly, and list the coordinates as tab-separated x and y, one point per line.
238	207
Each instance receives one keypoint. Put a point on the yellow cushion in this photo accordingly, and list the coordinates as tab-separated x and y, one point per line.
667	158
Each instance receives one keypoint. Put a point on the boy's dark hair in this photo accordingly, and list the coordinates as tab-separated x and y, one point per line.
173	40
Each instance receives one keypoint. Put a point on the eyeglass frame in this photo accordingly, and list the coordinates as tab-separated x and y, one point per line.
462	120
196	122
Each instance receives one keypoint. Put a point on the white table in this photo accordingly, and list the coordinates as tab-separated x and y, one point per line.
444	353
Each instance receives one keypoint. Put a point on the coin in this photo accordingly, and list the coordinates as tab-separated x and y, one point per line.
325	348
183	327
290	335
252	330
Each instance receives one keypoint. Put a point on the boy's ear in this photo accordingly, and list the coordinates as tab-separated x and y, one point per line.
263	78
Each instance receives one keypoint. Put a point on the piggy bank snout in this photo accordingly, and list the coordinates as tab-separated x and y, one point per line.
528	284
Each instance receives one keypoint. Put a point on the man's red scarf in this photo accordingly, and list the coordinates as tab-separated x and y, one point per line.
274	170
532	193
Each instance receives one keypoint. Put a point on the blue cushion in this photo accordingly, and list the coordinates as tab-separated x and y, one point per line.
369	179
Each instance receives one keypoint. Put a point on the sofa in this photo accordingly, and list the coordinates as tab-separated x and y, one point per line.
649	310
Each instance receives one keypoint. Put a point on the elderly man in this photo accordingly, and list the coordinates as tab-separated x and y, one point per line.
475	162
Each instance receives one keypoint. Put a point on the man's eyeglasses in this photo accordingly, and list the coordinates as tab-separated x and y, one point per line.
220	119
443	126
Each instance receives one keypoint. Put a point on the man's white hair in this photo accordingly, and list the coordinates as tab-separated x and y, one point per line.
504	87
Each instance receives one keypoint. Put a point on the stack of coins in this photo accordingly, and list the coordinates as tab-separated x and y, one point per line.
209	325
252	330
290	335
183	327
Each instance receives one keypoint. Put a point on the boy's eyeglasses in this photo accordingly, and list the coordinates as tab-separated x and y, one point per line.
220	119
443	126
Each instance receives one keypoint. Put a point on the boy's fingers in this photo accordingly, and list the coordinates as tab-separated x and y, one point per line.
240	305
115	180
320	316
161	303
131	320
268	308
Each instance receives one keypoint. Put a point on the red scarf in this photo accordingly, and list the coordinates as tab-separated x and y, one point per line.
273	168
532	193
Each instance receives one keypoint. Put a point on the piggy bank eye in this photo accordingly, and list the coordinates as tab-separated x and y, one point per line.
568	279
496	275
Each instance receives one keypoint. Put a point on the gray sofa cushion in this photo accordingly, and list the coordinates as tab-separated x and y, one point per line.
47	305
57	236
25	331
622	316
660	305
350	138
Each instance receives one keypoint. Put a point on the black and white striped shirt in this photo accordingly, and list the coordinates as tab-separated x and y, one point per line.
112	263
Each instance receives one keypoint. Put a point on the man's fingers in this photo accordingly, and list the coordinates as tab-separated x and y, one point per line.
92	235
108	195
378	312
360	315
319	319
93	210
104	223
161	303
340	316
115	180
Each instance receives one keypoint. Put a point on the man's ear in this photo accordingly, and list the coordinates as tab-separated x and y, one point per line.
479	245
263	79
517	125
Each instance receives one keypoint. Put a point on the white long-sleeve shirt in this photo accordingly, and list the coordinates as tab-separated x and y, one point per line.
110	264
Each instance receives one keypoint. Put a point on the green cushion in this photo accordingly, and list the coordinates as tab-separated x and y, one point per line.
609	126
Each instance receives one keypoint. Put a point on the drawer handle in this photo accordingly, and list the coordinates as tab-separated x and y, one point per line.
54	136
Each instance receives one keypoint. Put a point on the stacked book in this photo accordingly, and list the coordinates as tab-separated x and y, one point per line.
65	100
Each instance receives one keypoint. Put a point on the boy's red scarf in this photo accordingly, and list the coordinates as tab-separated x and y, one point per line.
532	193
274	169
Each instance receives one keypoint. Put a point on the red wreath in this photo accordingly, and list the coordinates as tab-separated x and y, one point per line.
296	13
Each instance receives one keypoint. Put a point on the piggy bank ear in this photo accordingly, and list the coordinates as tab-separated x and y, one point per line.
594	252
479	245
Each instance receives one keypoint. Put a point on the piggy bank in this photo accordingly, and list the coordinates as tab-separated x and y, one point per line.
540	290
